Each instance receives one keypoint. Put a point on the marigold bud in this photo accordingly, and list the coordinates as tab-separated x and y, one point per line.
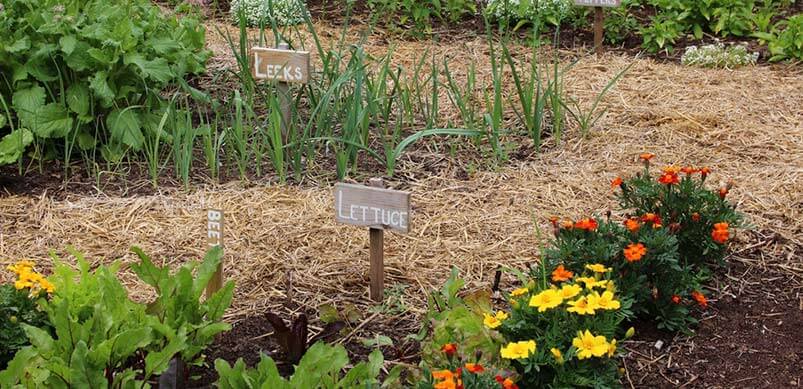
630	332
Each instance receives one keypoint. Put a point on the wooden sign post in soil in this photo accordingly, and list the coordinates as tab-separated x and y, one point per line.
284	66
214	237
379	209
599	18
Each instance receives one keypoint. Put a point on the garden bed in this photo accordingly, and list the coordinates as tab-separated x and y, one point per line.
746	124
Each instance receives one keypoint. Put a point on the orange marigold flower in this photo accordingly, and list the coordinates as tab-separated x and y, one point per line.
566	225
474	367
588	224
448	384
632	224
634	252
646	157
720	234
695	217
705	172
509	384
688	170
669	176
676	299
616	182
651	218
554	221
561	274
723	192
449	349
700	299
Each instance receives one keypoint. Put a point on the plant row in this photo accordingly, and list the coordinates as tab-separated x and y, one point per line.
109	87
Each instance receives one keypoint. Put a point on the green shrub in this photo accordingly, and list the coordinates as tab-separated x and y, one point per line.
89	73
420	14
321	367
786	40
268	12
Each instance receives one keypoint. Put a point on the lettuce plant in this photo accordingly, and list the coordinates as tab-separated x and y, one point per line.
268	12
89	73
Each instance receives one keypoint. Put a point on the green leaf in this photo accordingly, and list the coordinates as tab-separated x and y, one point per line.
125	128
216	305
100	86
78	98
147	271
13	145
157	362
207	270
2	121
16	367
319	361
128	342
19	46
157	69
52	121
39	338
82	375
67	44
86	141
26	102
209	332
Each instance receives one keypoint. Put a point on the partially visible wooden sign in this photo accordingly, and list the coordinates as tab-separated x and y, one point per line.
372	207
280	65
214	237
598	3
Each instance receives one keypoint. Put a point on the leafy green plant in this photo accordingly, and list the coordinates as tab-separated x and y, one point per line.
97	332
787	42
420	14
718	56
321	367
89	73
178	306
539	13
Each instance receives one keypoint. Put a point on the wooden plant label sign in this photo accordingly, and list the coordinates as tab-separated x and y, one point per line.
280	65
598	3
214	227
372	207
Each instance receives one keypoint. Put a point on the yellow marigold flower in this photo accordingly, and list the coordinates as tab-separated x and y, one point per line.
494	321
557	354
591	282
518	350
598	268
546	300
611	287
47	286
519	292
611	348
581	307
21	266
589	345
604	301
569	291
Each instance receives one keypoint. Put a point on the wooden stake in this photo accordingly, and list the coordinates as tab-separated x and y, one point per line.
599	24
214	236
377	239
284	100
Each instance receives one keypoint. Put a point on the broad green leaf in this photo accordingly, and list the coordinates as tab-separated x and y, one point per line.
82	374
157	362
86	141
78	98
207	269
16	367
130	341
209	332
41	68
13	145
100	86
40	339
2	121
26	102
147	271
319	361
19	46
79	60
102	56
157	69
52	121
269	374
67	44
125	128
216	305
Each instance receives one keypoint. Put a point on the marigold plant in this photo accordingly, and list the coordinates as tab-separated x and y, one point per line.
20	303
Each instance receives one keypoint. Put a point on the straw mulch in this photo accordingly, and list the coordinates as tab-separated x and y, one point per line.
746	124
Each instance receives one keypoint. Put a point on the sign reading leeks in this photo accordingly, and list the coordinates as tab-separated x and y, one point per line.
280	65
372	207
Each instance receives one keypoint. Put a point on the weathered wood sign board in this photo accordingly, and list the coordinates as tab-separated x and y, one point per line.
214	237
372	207
598	3
280	65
